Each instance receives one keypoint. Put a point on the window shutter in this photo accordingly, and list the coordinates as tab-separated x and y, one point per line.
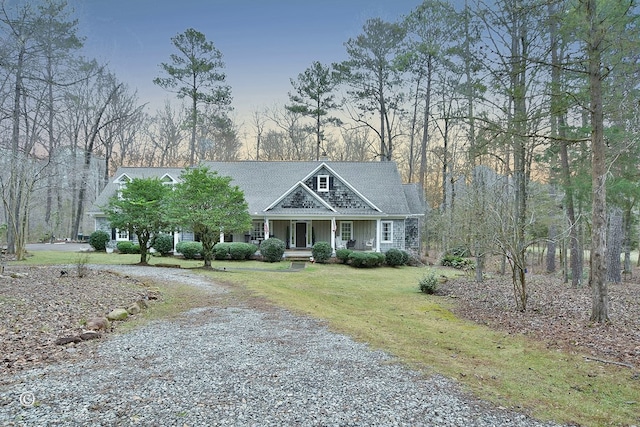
314	183
330	183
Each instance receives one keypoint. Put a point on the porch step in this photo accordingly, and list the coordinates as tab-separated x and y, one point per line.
297	255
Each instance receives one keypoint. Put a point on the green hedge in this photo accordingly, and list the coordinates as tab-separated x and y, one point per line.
242	251
235	251
128	247
343	255
366	259
221	251
394	257
190	250
163	244
272	249
321	252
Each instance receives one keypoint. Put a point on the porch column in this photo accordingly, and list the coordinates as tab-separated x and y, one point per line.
176	238
221	236
266	228
333	234
378	233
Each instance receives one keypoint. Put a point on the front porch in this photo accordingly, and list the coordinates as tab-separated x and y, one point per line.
301	235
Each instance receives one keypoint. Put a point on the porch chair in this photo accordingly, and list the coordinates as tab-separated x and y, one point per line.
351	244
340	243
369	244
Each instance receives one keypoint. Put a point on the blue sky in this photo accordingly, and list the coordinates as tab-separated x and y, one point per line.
264	43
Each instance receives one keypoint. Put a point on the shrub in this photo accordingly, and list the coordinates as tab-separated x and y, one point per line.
393	257
128	247
459	251
163	244
98	240
366	259
321	252
250	250
190	250
240	250
405	257
272	249
343	255
429	283
221	251
457	262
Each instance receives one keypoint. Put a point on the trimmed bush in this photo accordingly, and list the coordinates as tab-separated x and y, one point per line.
343	255
221	251
190	250
250	250
272	249
366	259
98	240
241	251
321	252
394	258
429	283
128	247
163	244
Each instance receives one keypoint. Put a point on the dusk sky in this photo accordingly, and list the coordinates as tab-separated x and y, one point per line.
264	43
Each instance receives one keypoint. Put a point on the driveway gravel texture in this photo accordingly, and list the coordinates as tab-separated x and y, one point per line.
237	366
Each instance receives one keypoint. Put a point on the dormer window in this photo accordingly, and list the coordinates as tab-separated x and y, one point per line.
167	180
122	183
323	183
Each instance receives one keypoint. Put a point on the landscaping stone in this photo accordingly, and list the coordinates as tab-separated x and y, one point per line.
118	314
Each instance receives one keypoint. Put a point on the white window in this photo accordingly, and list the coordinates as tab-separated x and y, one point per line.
323	182
387	231
122	235
257	232
346	230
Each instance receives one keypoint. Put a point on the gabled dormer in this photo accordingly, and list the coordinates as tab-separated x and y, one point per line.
122	182
123	179
299	198
336	191
168	180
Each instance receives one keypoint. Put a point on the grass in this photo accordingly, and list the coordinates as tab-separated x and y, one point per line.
384	308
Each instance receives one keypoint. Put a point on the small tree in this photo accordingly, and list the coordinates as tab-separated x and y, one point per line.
207	204
140	208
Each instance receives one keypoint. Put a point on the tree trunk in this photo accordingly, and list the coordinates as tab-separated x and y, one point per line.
600	297
614	246
425	128
551	249
626	243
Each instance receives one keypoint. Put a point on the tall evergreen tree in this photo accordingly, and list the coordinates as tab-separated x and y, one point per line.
196	73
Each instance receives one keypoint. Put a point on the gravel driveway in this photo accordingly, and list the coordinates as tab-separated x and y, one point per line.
237	366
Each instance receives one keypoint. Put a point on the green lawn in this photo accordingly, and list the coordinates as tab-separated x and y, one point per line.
383	307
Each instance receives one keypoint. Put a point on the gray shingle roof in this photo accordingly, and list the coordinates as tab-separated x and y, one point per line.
264	182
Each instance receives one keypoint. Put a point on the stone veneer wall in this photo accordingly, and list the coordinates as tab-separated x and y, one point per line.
412	234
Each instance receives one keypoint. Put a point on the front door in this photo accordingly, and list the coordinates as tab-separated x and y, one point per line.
301	234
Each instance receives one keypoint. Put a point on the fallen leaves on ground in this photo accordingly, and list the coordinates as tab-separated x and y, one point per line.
42	304
557	313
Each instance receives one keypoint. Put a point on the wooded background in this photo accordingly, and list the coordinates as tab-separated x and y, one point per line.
518	117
